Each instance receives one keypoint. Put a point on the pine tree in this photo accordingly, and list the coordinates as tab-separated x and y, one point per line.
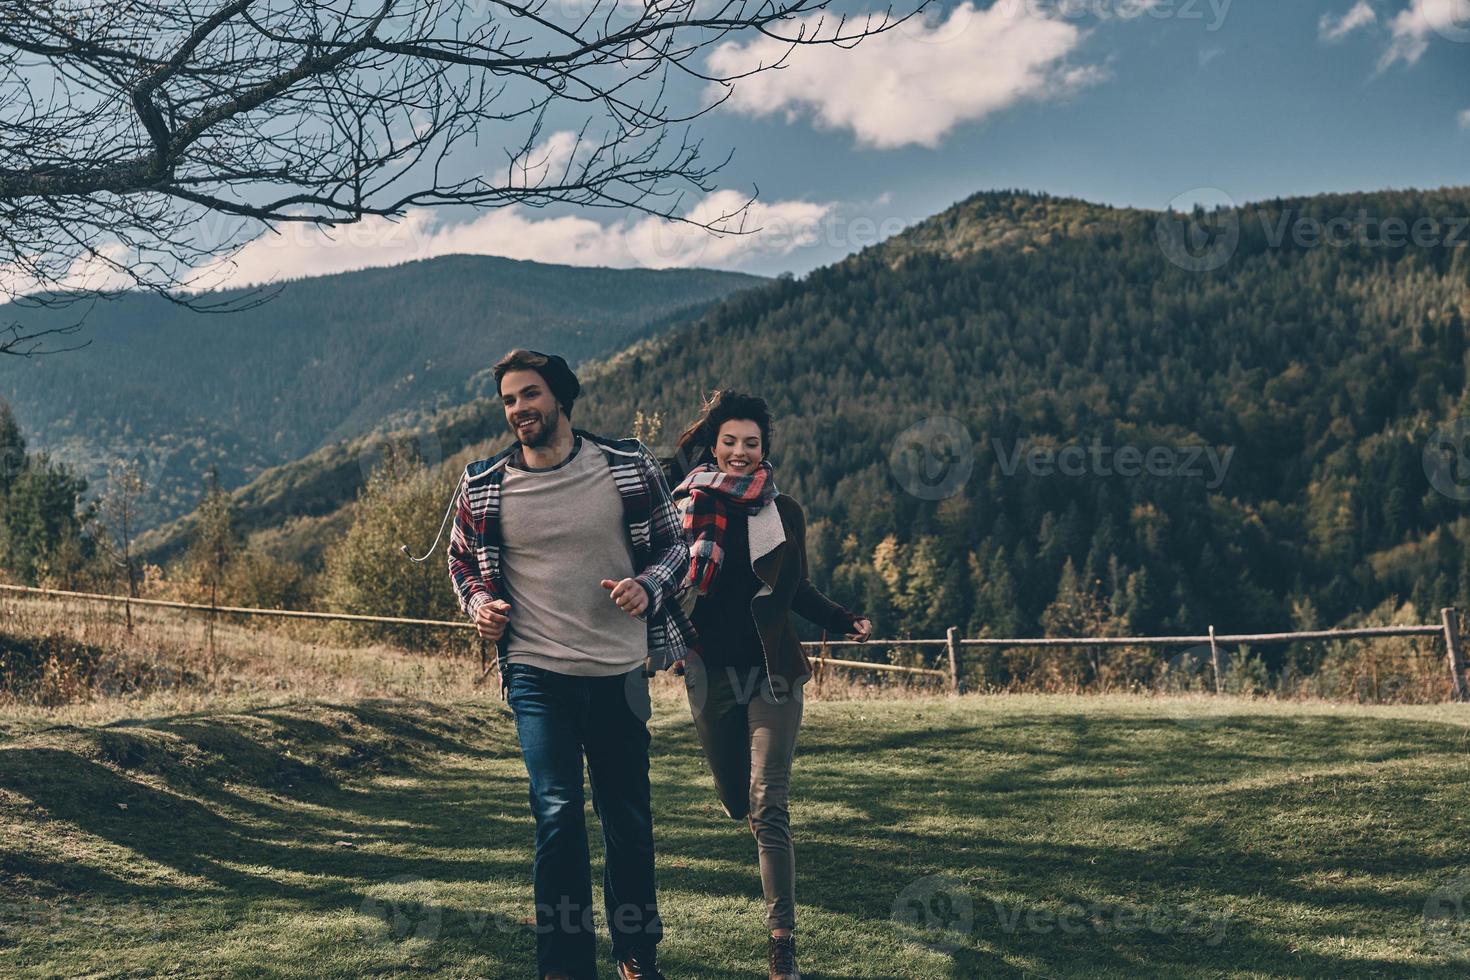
43	522
12	449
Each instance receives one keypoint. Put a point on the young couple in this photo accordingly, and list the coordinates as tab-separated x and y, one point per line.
570	552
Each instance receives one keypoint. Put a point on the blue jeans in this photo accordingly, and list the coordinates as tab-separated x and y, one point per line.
561	719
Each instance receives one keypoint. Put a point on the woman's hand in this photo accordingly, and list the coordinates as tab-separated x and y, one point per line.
863	629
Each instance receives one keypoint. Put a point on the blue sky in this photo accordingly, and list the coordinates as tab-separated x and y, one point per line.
1128	102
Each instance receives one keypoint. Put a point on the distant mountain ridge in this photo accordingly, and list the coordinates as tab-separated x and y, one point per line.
1013	319
329	358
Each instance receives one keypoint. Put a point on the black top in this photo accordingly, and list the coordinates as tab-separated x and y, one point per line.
727	632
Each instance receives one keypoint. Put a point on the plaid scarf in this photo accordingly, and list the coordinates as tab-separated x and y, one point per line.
711	493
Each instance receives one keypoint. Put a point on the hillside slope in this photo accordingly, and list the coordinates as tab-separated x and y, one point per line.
1316	375
326	359
1290	396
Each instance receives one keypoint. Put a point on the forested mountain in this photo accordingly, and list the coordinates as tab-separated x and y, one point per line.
297	508
1322	367
326	359
1290	396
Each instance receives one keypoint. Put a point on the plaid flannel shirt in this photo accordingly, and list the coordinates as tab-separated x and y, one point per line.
660	553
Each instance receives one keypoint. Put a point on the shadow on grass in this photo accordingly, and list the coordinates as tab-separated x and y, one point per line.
1294	833
1215	825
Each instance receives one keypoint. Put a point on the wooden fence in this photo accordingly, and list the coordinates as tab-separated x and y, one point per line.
954	646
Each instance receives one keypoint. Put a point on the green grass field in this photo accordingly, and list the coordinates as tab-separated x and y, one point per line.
973	837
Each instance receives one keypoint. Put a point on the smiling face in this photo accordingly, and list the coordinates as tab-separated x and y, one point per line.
531	410
738	447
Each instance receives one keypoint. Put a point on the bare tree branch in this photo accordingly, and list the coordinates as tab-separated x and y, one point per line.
142	139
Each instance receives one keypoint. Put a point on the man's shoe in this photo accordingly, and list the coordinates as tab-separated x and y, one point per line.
782	954
640	965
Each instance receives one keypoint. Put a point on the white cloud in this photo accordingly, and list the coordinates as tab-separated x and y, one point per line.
512	232
99	272
298	249
915	84
1331	28
546	161
1414	26
1464	119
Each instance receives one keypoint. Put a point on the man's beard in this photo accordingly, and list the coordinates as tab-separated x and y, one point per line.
542	433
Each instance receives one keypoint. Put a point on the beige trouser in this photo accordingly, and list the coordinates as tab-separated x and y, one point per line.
749	738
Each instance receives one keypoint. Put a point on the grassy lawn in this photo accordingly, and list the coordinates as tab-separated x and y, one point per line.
972	837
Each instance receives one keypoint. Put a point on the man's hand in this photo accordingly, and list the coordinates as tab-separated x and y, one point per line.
628	594
492	618
863	629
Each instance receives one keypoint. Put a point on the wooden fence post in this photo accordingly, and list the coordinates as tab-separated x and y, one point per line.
1451	622
820	667
1215	659
956	685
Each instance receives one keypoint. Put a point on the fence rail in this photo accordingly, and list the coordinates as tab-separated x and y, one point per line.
1448	628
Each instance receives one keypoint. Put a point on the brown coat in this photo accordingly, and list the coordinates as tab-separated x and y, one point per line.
784	571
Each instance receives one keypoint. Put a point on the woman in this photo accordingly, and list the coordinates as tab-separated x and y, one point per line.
747	573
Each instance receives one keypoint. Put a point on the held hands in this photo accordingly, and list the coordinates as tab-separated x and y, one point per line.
863	628
491	619
628	594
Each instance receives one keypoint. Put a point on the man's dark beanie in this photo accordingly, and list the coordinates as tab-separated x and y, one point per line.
559	377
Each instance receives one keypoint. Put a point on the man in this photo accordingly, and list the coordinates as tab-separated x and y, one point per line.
566	551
